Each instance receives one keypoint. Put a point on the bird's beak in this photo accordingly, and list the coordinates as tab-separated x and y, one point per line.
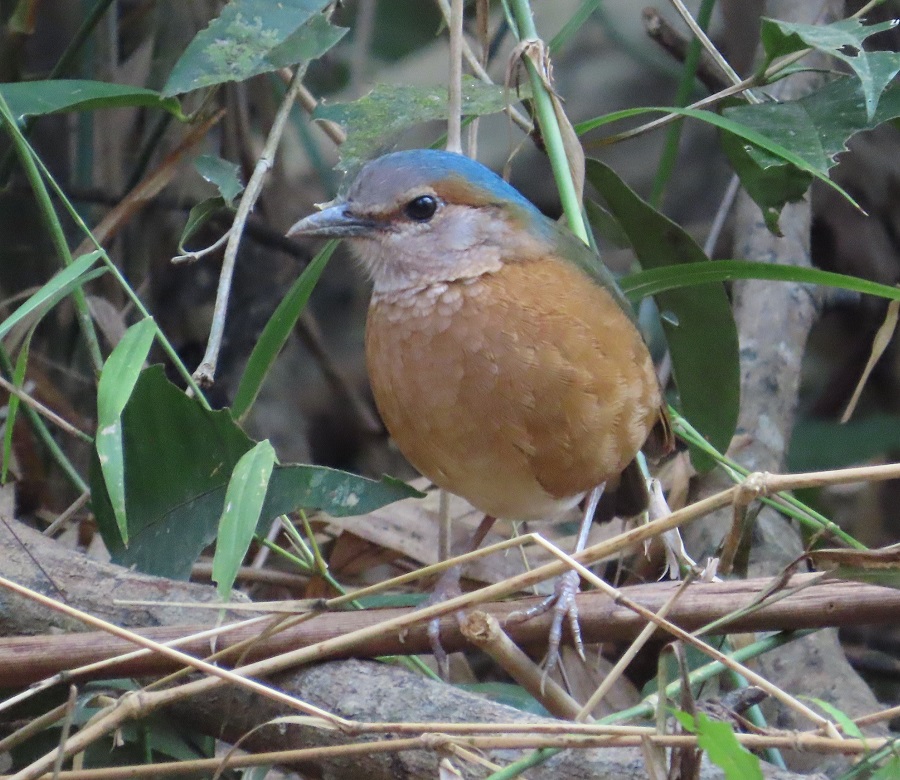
333	222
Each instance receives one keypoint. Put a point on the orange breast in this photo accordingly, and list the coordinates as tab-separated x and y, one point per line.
519	390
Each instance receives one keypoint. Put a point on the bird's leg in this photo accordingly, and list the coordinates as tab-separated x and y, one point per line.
447	587
562	602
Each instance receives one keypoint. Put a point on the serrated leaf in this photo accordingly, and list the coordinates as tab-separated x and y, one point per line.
60	285
225	175
244	498
375	120
117	381
701	334
37	98
251	37
276	332
180	457
842	39
815	128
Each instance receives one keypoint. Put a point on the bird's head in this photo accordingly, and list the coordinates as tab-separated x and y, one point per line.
423	216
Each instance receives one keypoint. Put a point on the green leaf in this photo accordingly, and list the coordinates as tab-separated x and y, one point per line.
717	738
757	142
839	716
819	445
37	98
276	332
890	770
814	128
198	217
180	458
842	39
701	333
251	37
653	281
117	380
62	283
375	120
243	503
225	175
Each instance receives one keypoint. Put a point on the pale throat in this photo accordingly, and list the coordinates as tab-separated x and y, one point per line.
464	244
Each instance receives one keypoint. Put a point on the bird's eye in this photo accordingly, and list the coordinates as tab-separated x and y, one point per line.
421	209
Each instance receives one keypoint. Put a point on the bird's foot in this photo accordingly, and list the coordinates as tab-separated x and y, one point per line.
564	607
445	588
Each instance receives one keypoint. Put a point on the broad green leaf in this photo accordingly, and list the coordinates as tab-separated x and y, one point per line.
842	39
62	283
251	37
37	98
653	281
117	380
815	128
225	175
180	458
819	445
890	770
779	153
198	217
717	738
276	332
698	322
375	120
244	498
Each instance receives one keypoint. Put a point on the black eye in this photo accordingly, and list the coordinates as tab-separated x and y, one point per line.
421	209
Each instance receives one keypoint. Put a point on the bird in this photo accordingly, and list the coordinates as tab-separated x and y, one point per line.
505	362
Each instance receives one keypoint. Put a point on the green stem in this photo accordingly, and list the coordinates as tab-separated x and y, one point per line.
682	97
647	707
62	66
552	135
43	433
784	502
167	347
28	159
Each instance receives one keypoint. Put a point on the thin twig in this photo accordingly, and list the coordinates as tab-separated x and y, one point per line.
52	416
206	371
454	79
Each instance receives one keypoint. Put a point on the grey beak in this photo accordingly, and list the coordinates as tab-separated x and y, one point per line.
333	222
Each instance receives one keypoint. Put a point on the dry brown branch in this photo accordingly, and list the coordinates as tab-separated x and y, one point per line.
24	660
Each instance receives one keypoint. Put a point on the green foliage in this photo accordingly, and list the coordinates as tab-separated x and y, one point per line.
276	332
815	128
843	40
718	740
244	499
251	37
117	380
225	175
37	98
180	457
373	122
698	322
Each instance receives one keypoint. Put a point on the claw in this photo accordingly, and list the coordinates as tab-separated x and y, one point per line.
564	606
